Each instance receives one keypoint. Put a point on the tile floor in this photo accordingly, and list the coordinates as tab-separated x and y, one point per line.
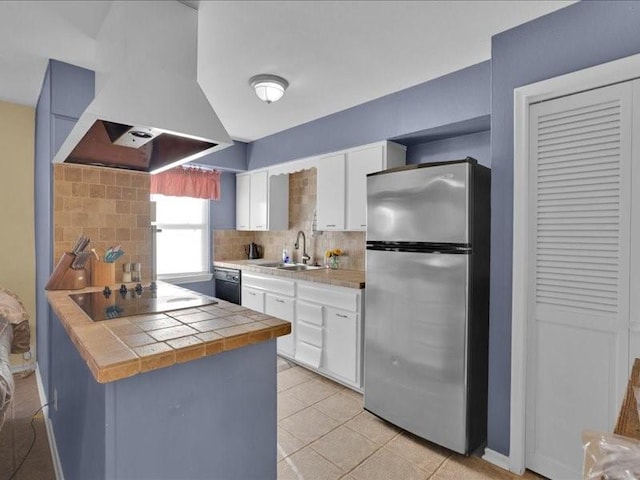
324	434
16	435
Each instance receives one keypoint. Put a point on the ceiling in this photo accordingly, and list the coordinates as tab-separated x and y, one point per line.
335	54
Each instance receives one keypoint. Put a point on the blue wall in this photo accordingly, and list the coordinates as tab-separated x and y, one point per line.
79	421
223	212
43	222
212	418
579	36
66	92
209	418
476	145
231	158
450	99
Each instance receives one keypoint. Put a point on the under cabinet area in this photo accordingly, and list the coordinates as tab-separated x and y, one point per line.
326	323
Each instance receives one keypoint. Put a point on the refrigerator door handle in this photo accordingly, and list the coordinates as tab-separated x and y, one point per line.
447	248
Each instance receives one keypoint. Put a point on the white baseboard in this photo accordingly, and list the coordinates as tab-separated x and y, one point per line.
55	458
498	459
41	393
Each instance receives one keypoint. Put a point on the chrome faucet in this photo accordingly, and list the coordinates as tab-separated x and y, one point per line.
305	256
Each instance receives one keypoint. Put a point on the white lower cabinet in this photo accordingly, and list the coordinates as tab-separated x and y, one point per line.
310	338
253	298
341	338
274	296
326	323
282	307
329	326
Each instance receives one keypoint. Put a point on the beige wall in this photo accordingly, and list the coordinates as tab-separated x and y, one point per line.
17	243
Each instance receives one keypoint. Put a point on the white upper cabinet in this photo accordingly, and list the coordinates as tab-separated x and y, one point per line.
331	192
243	192
359	164
342	184
262	201
258	196
262	196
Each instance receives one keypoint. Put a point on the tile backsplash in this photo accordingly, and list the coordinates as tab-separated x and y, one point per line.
229	244
109	206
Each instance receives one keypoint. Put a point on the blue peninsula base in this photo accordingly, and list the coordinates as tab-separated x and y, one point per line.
212	418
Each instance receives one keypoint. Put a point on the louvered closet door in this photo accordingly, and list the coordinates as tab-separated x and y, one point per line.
578	257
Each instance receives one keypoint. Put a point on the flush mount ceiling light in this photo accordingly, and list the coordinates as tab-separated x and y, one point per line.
269	88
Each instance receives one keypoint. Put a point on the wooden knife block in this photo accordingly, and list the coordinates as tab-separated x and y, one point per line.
66	278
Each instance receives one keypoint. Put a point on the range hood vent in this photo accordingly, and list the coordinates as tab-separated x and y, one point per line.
149	112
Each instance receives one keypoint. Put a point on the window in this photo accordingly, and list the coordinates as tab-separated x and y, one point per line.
182	247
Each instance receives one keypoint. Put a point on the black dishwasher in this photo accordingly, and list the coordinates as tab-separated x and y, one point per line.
227	284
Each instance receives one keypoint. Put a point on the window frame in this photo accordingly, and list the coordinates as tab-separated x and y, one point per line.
188	277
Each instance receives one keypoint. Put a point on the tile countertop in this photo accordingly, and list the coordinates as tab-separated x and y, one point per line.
339	277
127	346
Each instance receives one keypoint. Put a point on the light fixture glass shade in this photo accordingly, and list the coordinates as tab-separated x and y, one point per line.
269	88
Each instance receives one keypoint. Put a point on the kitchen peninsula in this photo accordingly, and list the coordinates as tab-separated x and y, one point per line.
182	394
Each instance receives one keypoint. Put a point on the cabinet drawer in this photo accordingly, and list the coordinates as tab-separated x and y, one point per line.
309	334
310	313
308	354
338	297
253	299
280	307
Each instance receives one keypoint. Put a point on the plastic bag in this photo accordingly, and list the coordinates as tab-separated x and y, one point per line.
610	457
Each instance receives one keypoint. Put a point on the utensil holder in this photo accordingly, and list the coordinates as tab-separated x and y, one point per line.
103	274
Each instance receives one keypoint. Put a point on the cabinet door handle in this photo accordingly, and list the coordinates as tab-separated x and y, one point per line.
279	301
252	293
332	225
259	226
341	315
363	225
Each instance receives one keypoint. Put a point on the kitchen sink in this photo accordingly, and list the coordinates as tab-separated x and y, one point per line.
290	267
269	264
297	267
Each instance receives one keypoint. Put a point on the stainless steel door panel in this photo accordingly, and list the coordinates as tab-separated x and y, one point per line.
419	205
415	343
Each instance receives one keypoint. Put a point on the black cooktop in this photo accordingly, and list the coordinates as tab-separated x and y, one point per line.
125	302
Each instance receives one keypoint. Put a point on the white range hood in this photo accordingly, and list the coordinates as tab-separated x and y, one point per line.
149	112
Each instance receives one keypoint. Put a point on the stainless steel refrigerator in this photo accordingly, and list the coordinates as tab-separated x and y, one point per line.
427	300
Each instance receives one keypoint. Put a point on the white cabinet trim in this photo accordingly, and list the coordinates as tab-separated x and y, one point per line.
608	73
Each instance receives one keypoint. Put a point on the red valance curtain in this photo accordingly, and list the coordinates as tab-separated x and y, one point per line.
187	182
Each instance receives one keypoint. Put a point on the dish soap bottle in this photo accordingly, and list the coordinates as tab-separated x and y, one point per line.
285	254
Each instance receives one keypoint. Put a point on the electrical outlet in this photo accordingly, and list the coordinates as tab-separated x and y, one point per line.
55	399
